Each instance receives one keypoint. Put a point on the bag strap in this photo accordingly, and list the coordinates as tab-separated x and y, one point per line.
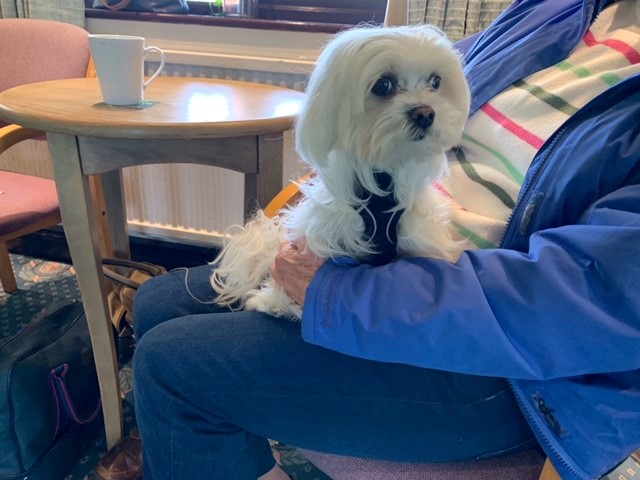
57	377
151	269
121	5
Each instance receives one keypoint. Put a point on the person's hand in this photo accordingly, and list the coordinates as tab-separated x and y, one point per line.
294	267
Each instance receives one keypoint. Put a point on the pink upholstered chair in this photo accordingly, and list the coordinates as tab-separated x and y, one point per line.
32	51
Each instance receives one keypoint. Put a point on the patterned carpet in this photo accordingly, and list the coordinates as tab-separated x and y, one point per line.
39	284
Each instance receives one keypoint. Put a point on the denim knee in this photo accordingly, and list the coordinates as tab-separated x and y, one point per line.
151	373
149	309
175	294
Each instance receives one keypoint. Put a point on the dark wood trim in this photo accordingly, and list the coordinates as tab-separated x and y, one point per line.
352	12
51	244
326	16
214	21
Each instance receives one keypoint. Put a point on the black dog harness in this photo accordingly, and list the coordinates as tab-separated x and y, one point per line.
380	219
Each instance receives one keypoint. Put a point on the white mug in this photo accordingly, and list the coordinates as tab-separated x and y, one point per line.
119	61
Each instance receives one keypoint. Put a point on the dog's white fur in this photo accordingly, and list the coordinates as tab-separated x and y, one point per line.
345	132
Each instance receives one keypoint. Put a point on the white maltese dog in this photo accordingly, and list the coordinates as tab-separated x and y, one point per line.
383	104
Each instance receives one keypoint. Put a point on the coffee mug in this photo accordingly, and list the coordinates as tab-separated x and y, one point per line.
119	62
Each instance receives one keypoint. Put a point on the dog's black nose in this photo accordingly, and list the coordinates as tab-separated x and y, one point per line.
422	116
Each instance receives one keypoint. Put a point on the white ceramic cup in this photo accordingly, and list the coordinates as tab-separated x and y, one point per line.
119	61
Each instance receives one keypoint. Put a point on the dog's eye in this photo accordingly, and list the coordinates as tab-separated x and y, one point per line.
434	81
384	87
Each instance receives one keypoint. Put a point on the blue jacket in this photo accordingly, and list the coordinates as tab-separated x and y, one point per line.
556	309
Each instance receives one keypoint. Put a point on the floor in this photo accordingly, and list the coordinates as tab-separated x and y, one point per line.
40	282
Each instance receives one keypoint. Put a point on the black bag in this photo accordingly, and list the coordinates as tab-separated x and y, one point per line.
158	6
49	398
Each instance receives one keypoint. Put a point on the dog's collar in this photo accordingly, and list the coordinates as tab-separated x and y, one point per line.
380	218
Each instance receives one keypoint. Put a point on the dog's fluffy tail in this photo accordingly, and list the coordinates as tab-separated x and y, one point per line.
245	260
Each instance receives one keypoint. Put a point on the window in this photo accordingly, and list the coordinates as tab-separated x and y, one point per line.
310	15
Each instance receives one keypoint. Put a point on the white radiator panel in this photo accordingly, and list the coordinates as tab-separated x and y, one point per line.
194	202
183	201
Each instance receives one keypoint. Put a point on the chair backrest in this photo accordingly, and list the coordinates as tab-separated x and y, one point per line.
37	50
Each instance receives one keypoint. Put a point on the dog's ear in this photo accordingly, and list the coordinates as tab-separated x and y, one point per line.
316	129
332	98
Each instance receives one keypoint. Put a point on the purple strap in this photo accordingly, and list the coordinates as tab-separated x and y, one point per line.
57	378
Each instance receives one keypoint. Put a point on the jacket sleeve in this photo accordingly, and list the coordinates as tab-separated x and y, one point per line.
568	306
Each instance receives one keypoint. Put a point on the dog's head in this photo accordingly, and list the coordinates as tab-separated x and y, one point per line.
383	96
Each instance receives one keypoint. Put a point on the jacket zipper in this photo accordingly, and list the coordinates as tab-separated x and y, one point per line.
521	205
542	437
550	147
517	214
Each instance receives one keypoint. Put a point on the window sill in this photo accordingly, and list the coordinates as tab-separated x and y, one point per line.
218	21
232	47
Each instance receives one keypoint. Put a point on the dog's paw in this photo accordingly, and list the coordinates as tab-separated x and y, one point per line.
273	301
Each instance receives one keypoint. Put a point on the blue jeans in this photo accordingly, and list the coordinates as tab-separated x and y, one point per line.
212	385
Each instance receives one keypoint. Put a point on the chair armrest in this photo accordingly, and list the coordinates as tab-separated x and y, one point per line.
548	472
288	195
12	134
91	68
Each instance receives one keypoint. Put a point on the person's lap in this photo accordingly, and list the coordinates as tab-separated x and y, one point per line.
204	380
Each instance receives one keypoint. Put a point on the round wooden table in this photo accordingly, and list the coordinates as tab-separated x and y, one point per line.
233	125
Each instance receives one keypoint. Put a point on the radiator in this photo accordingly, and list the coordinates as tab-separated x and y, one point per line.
177	202
196	203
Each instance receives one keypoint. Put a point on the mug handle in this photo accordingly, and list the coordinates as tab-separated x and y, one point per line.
159	70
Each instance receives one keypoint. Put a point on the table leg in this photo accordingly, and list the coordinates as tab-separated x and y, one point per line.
116	213
81	227
97	192
260	188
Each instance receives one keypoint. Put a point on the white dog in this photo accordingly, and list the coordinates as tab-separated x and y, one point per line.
383	104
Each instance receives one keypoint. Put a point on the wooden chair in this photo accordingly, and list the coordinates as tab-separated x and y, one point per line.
526	465
32	51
